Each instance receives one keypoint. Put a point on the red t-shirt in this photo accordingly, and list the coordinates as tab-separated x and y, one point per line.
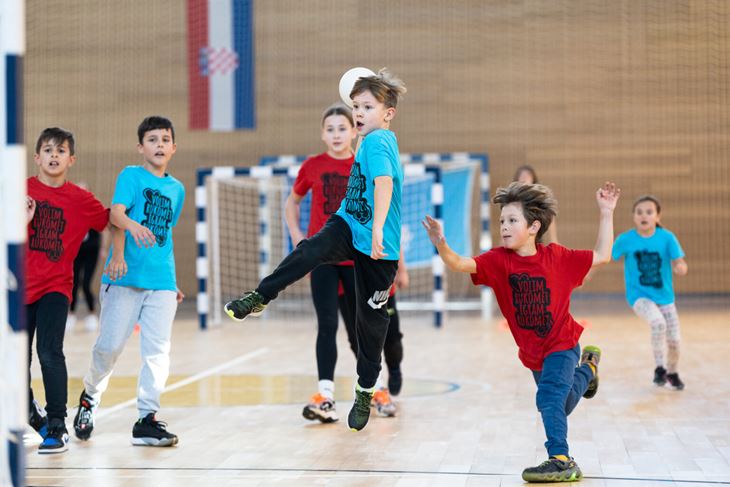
62	218
534	296
327	178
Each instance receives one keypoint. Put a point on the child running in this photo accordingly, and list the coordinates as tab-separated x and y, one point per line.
651	253
366	229
533	283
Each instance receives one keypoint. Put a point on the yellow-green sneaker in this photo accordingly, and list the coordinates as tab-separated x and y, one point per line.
553	470
591	355
251	303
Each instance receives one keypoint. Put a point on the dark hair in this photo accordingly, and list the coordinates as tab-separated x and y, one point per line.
58	136
653	199
538	203
385	87
526	168
153	123
338	109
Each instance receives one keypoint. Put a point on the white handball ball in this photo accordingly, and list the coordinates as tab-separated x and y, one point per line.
348	81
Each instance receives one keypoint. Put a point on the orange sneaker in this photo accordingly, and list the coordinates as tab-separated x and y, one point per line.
321	408
382	403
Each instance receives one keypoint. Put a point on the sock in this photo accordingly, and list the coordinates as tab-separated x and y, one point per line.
369	390
327	388
562	458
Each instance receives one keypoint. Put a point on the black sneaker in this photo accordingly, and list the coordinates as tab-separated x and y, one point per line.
395	381
660	376
591	354
553	470
84	419
251	303
360	412
37	419
150	432
675	381
56	440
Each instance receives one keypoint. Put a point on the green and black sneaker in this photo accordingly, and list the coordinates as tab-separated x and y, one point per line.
360	412
553	470
591	355
251	303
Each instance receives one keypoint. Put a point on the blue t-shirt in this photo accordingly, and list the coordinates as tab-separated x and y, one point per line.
378	156
155	202
648	264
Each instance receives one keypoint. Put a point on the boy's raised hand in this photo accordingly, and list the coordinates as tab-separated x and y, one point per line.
435	232
142	235
607	196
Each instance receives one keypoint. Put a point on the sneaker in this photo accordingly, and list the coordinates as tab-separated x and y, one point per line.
660	376
360	412
321	408
91	323
251	303
70	322
56	439
150	432
84	419
37	419
675	381
395	381
591	354
383	405
553	470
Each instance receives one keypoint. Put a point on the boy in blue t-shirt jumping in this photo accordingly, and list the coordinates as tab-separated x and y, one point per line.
366	229
139	285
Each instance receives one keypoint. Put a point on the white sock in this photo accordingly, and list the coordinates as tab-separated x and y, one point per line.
358	387
327	388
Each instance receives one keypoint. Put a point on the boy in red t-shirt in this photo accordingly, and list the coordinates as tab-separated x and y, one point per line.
59	216
532	283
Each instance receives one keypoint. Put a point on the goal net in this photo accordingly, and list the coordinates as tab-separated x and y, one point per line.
242	234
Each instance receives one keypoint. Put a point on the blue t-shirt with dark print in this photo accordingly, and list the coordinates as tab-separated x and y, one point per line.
156	203
648	264
378	156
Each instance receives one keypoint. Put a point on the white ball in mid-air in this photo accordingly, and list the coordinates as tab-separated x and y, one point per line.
348	81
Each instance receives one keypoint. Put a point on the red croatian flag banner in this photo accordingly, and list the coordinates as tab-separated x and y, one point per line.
221	65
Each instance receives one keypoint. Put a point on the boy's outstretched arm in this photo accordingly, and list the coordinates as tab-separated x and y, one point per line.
142	235
607	198
453	261
381	200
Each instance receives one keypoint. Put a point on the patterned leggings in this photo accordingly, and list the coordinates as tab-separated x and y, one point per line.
664	324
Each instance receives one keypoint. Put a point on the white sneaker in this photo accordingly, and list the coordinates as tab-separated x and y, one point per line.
91	323
70	322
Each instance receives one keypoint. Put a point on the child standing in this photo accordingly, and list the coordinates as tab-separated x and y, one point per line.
533	283
59	216
365	228
651	253
147	203
325	175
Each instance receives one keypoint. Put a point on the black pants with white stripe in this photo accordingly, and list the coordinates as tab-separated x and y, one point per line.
373	278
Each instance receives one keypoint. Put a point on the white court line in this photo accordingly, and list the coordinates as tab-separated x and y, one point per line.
189	380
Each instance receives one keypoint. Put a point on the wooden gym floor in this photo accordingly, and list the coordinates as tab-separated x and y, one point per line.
466	414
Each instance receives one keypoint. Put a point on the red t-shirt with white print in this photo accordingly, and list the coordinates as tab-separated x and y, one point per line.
62	218
327	178
533	294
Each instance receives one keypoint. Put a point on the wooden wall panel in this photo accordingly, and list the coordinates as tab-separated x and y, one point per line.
585	90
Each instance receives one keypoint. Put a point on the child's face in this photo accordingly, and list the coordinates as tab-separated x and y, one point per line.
337	134
525	177
646	216
513	227
54	160
370	114
157	148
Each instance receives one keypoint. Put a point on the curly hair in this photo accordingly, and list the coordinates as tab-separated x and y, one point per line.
537	200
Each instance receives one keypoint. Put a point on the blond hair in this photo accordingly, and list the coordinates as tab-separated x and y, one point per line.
384	86
537	200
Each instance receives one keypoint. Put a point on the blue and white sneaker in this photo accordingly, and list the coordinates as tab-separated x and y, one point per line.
56	440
